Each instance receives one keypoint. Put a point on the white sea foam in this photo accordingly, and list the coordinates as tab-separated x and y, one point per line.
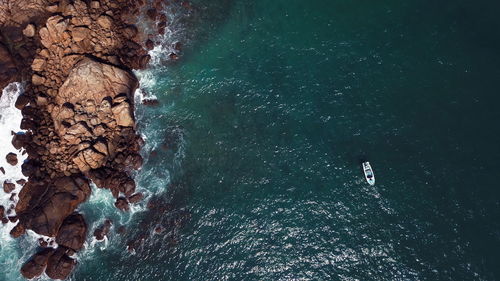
10	121
100	206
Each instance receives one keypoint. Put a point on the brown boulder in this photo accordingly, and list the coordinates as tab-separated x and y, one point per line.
22	101
122	204
8	187
80	33
43	207
37	80
136	198
17	231
20	140
21	182
60	265
72	232
115	181
105	22
150	44
29	30
94	82
89	159
43	243
12	159
54	30
35	266
38	64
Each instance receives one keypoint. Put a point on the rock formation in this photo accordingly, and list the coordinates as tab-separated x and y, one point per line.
77	59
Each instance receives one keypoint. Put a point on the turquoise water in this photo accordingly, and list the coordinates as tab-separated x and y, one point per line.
263	122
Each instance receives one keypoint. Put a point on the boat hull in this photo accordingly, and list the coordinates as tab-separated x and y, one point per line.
369	175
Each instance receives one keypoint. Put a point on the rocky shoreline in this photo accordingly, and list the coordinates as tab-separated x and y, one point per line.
77	59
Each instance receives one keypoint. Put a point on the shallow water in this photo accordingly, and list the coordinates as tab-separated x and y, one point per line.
261	127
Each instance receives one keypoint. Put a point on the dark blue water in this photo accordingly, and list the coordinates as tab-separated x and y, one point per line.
253	156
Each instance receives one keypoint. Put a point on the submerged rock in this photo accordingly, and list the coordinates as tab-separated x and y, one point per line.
101	232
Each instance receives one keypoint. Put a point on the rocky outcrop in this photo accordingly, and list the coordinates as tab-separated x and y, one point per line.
77	59
60	265
44	207
37	263
72	232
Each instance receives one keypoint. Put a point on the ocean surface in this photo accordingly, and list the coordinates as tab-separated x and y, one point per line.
253	153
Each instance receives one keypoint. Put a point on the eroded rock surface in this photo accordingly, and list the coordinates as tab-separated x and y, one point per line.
77	59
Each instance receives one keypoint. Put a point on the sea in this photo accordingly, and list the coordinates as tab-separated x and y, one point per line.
253	153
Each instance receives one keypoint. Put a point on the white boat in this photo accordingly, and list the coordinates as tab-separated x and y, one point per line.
369	175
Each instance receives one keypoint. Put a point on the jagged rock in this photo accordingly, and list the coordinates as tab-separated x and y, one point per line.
12	159
72	232
36	265
60	265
